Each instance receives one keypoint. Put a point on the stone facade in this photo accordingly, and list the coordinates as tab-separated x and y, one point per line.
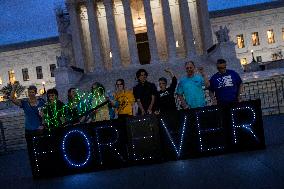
249	20
89	27
103	32
106	35
29	56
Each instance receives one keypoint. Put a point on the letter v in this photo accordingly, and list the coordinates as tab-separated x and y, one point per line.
177	150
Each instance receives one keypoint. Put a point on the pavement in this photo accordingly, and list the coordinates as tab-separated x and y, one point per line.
262	169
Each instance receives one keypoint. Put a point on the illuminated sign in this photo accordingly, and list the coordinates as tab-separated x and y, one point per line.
119	143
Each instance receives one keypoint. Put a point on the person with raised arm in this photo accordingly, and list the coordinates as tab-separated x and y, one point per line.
33	120
31	107
166	95
190	89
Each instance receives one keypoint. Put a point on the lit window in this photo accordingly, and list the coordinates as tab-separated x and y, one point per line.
1	98
39	74
1	82
25	73
255	38
12	77
270	36
52	69
240	41
244	61
277	55
274	56
259	59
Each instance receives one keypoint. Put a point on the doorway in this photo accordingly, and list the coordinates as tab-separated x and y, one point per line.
143	48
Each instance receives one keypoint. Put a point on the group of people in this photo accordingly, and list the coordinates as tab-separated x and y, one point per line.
225	87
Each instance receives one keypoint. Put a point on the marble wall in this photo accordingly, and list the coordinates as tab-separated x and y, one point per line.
248	23
29	58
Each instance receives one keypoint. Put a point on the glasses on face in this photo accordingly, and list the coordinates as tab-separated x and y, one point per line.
119	84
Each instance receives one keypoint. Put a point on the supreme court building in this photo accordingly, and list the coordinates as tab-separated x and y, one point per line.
115	33
103	40
111	39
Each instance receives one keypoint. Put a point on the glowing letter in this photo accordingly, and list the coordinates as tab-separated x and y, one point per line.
208	130
178	149
67	158
110	144
245	126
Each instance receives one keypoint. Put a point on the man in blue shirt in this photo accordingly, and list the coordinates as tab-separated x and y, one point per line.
225	85
190	89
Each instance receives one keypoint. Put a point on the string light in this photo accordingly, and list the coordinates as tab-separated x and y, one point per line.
95	136
110	144
201	131
54	114
70	162
177	150
246	126
135	140
36	153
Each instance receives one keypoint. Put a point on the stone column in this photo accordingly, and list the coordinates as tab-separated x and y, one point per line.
76	35
203	17
187	29
113	39
151	32
169	31
132	44
95	35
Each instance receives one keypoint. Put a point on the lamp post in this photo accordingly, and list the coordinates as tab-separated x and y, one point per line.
43	84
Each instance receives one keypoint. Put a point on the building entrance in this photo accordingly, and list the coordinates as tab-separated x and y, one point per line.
143	48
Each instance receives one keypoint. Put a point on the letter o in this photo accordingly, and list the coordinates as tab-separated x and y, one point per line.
65	153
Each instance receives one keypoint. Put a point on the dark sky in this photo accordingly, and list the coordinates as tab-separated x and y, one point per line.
24	20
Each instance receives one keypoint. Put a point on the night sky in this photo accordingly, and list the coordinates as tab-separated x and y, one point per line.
24	20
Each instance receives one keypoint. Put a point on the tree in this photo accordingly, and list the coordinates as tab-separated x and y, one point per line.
6	90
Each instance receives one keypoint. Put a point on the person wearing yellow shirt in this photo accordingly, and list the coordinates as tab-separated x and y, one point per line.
125	99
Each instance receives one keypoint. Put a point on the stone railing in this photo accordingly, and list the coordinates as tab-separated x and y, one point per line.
12	130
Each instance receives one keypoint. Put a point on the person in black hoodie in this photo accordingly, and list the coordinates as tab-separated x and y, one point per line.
144	93
165	97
